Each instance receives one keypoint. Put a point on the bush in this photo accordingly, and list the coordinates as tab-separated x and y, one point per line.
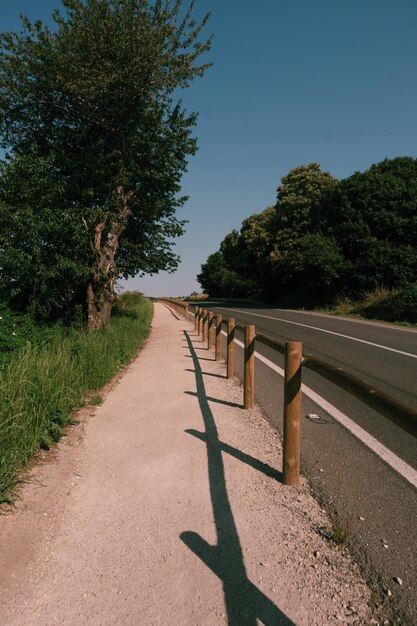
400	306
15	330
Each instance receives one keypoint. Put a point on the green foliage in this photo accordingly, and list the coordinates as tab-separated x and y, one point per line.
44	258
127	302
325	238
18	331
41	385
90	120
15	330
219	281
400	306
373	217
290	266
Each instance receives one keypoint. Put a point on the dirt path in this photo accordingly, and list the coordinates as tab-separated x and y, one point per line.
166	508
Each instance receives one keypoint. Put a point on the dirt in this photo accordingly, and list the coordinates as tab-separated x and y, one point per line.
165	506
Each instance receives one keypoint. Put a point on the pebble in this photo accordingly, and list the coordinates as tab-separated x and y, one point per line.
397	580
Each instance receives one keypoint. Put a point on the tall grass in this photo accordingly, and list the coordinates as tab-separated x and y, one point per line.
40	386
389	305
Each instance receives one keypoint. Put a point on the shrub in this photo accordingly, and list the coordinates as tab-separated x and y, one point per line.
399	306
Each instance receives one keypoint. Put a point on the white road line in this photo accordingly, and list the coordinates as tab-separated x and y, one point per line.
394	461
353	320
330	332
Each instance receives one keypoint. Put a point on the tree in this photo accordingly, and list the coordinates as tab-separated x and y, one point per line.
44	260
300	190
94	99
372	216
219	280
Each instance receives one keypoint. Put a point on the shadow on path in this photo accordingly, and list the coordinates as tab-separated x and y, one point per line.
209	374
241	456
245	603
209	398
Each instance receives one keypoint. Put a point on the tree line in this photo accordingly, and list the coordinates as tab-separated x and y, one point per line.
95	143
323	238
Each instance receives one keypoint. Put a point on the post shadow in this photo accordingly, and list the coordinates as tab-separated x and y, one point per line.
225	402
245	603
258	465
209	374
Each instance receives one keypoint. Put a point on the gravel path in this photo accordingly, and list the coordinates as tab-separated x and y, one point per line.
165	507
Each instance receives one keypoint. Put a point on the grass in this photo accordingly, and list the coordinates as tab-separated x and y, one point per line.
198	297
341	529
41	385
380	304
96	400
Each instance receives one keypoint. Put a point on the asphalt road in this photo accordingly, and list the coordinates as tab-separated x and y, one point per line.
376	502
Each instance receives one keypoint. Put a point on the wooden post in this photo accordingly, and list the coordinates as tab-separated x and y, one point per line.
197	311
186	311
218	337
200	317
203	333
249	371
292	408
210	330
230	347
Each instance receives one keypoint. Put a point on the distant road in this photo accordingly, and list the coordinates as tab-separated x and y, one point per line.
358	462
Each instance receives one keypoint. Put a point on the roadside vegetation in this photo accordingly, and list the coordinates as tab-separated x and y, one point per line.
94	141
345	245
397	306
46	374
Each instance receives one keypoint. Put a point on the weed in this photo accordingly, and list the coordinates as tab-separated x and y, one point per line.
96	400
341	528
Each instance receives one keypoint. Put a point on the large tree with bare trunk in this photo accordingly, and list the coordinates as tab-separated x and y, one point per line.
95	100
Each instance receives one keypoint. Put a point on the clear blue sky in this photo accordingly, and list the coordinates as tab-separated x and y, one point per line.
293	81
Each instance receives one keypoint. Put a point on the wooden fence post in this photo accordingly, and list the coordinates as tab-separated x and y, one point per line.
218	337
230	347
249	371
186	311
203	334
292	408
210	330
200	321
196	320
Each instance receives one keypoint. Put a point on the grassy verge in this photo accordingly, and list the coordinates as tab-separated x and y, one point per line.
397	307
40	386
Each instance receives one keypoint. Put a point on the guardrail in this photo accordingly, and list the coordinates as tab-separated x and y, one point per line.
209	326
179	306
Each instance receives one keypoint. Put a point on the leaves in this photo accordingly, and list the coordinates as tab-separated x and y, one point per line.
86	109
325	237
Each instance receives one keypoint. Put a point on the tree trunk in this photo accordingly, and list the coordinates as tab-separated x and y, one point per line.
100	291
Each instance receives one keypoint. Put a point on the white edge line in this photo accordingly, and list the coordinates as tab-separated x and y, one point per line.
330	332
394	461
388	325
